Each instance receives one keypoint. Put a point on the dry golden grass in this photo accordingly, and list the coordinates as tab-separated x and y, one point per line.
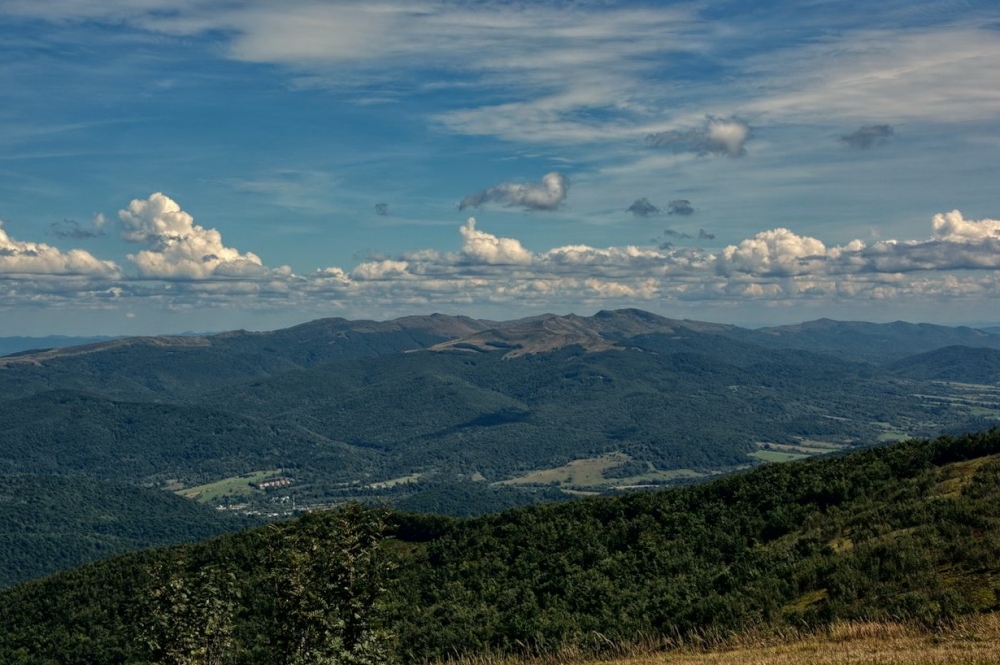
975	641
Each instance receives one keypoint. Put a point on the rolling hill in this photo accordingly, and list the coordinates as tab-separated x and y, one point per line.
55	522
952	363
907	531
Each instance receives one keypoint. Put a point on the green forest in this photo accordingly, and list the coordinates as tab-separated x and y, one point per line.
446	414
904	531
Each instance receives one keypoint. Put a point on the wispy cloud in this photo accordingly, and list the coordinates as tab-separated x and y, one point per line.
593	72
947	74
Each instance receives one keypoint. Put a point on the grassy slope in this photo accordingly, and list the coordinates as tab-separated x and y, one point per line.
974	641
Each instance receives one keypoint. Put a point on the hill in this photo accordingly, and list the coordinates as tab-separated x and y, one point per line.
147	443
910	530
952	363
55	522
873	342
157	368
468	416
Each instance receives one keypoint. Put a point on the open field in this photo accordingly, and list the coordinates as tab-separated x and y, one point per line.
977	399
784	452
234	486
393	482
589	472
970	642
777	456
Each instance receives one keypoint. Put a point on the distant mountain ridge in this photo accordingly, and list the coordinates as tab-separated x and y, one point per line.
850	340
9	345
873	341
600	332
336	338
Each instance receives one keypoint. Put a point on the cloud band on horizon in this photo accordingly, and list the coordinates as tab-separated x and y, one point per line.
188	265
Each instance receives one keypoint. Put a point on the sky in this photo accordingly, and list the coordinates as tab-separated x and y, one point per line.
206	165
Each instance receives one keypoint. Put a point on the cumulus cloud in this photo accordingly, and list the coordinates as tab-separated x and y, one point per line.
680	207
179	248
867	136
70	228
642	208
778	252
187	266
481	247
374	270
31	258
953	227
546	195
956	244
381	209
718	136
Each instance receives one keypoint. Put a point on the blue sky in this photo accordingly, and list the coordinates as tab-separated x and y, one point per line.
213	164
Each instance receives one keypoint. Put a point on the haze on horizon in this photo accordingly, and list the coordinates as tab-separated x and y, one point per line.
209	165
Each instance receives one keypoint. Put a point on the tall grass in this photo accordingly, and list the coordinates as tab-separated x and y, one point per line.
970	641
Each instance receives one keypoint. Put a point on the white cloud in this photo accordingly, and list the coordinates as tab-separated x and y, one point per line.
546	195
188	267
777	252
777	265
32	258
375	270
481	247
179	248
951	226
957	244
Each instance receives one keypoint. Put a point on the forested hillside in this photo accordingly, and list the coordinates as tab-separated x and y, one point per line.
910	530
52	522
467	417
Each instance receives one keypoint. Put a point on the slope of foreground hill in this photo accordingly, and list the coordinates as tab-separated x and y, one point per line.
908	531
51	522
